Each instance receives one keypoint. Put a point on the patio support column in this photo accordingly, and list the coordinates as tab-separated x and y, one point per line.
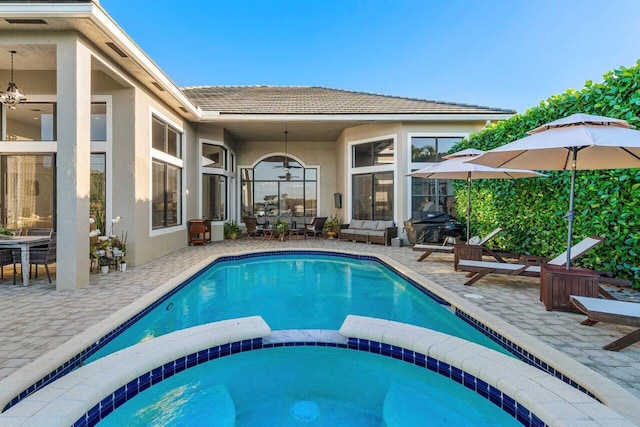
73	163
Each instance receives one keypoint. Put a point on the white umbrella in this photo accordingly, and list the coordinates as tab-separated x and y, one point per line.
579	141
457	166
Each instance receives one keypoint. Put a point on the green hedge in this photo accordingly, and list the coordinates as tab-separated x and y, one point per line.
533	210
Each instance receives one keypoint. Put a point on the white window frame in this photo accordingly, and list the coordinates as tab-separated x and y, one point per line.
171	160
51	147
227	172
411	166
351	170
291	157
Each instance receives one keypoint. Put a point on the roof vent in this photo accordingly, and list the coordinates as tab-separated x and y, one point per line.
26	21
158	86
184	110
116	49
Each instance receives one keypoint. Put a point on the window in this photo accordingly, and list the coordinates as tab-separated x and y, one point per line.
214	197
429	196
270	190
166	175
216	176
99	121
31	122
98	191
165	138
373	153
214	156
373	196
431	149
28	199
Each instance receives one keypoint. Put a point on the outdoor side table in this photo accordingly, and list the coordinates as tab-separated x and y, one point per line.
298	232
557	284
199	231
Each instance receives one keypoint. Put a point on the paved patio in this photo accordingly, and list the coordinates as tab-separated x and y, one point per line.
37	319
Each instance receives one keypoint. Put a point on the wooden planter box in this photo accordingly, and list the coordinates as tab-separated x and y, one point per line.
464	251
557	284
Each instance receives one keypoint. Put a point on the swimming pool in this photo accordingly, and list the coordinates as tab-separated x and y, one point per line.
132	371
318	385
296	291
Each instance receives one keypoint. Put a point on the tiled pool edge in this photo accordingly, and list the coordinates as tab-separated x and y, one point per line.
603	389
149	363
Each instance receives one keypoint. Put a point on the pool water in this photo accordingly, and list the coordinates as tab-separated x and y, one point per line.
315	386
296	291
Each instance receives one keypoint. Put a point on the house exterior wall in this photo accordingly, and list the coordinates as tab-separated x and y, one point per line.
151	244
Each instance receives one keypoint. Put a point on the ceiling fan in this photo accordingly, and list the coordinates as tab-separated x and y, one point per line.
286	166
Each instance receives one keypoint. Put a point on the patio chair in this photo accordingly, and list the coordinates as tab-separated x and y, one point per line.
478	269
6	258
253	229
315	227
429	249
39	256
611	311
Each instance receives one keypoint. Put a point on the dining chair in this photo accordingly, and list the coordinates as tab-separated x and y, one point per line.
39	255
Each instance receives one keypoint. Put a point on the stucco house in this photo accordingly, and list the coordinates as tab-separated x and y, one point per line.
105	133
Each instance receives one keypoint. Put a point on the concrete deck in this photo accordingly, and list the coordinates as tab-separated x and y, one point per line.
37	319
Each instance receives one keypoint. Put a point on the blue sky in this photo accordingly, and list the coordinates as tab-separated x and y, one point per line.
507	54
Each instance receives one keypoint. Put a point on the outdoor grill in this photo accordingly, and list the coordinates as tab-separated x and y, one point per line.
434	228
453	229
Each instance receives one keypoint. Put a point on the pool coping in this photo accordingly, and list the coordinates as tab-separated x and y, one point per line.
603	389
88	394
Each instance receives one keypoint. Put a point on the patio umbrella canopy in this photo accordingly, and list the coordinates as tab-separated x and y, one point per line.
457	166
576	142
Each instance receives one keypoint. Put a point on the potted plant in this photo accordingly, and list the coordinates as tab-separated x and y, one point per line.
332	226
281	228
231	230
104	264
4	233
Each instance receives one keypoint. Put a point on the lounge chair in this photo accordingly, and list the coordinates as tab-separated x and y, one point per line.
253	229
429	249
611	311
478	269
315	227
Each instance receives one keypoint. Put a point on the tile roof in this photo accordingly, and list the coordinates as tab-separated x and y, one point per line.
318	100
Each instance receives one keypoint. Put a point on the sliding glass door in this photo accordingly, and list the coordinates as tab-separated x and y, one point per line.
373	196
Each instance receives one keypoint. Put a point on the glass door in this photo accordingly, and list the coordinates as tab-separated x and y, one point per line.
373	196
28	195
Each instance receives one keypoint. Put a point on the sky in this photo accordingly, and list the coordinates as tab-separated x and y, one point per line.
509	54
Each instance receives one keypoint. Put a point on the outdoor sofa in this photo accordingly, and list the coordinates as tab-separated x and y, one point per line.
367	231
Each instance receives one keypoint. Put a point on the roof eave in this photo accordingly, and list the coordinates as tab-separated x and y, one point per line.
104	23
216	116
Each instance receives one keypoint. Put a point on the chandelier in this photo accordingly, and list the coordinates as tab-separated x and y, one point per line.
13	95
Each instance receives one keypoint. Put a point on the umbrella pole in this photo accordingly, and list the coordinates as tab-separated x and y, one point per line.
570	214
468	205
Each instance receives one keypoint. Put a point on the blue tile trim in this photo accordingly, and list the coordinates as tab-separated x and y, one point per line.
521	353
146	380
494	395
79	359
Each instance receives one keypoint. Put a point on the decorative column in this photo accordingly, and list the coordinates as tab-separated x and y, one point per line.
73	163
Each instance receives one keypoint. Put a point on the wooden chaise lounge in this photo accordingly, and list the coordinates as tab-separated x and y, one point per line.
611	311
429	249
479	269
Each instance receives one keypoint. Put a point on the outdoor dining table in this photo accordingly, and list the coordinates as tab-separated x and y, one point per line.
24	243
